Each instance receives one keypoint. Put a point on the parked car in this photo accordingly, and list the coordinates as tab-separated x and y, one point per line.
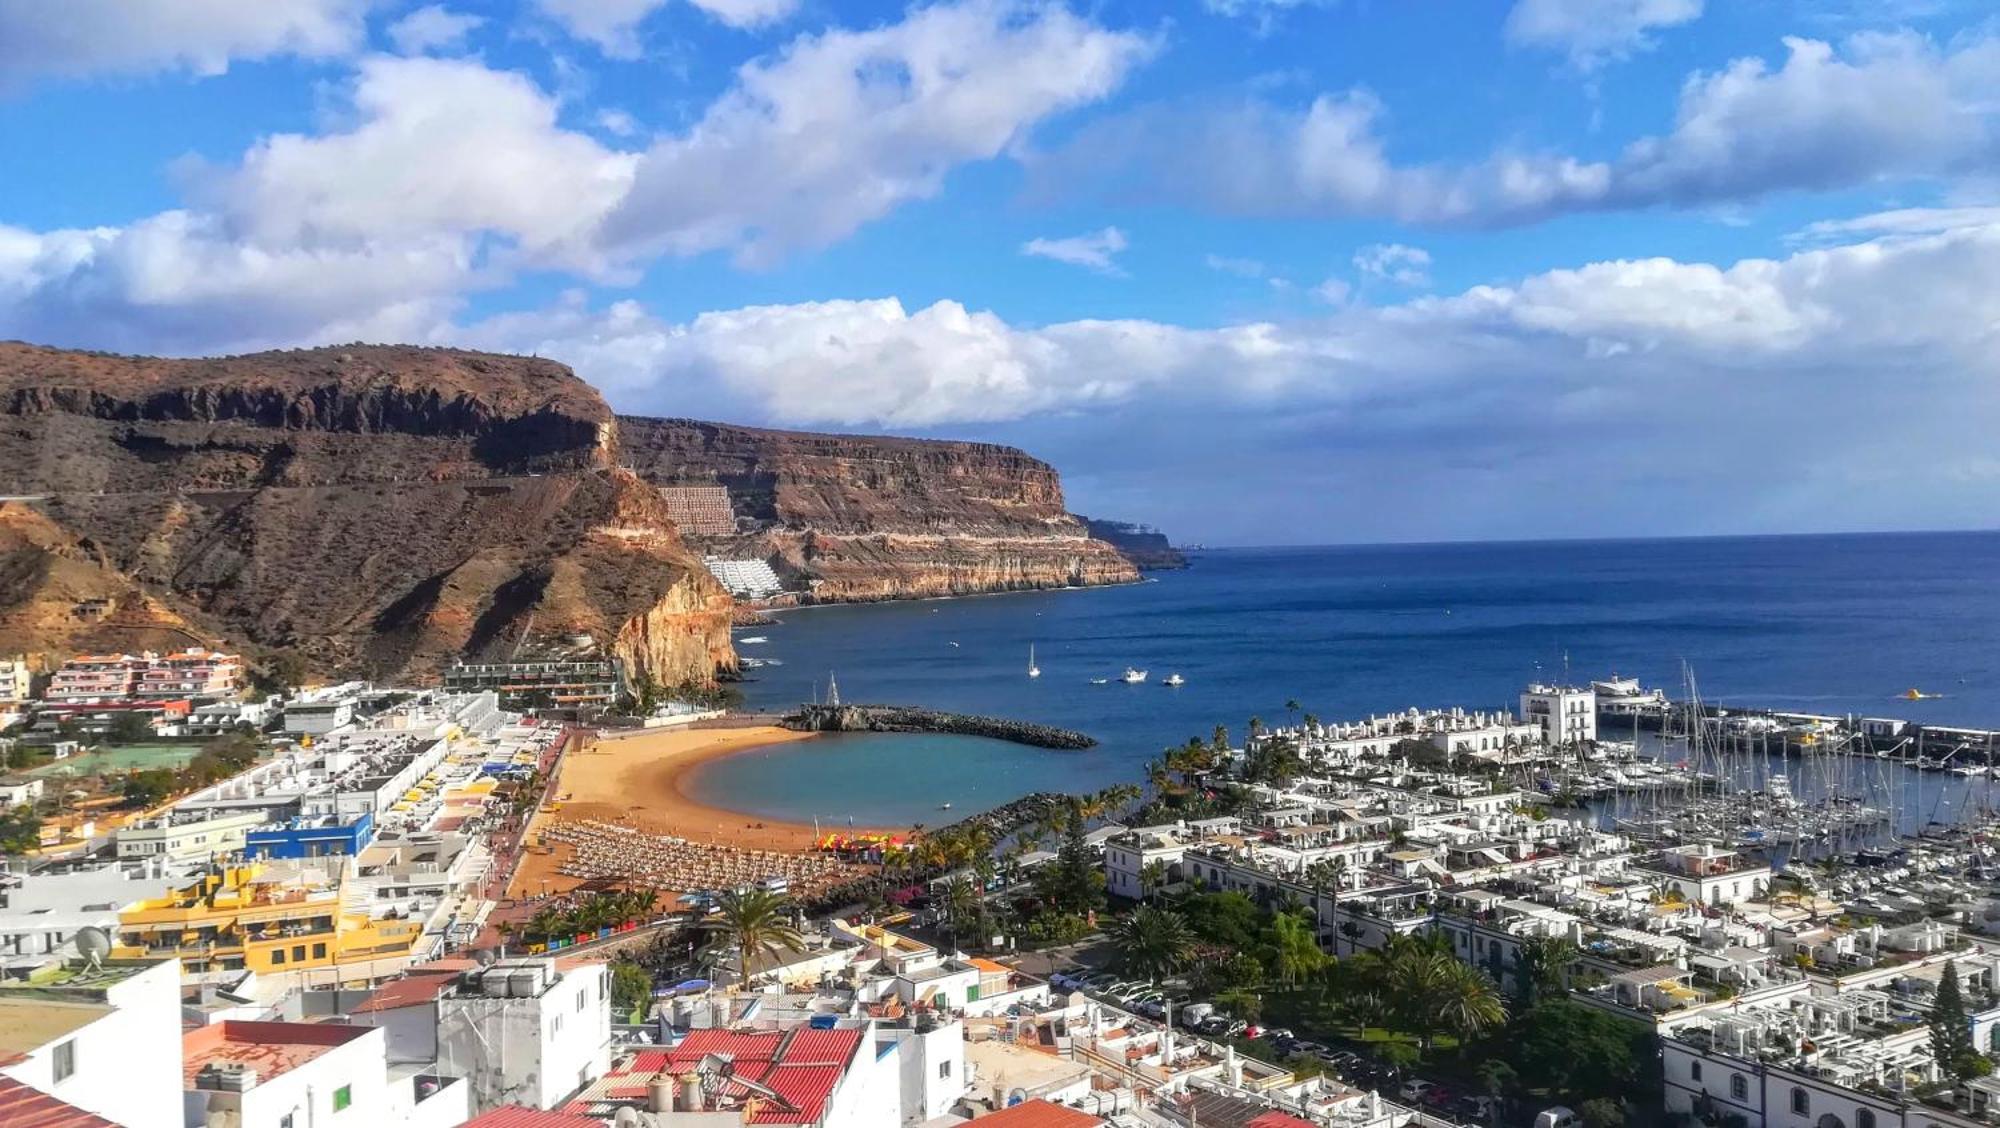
1558	1116
1415	1088
1484	1109
1195	1012
1235	1027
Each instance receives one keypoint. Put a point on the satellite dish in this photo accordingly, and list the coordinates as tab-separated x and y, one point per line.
93	944
482	956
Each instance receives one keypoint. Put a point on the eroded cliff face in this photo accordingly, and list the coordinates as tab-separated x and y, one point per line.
380	510
851	517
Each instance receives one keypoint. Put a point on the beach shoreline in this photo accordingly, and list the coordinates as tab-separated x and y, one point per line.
643	781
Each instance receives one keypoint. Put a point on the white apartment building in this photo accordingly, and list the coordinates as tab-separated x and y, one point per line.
526	1031
16	681
186	836
1704	874
41	913
1568	715
106	1040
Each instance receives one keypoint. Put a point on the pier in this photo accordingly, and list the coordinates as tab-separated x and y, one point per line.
903	718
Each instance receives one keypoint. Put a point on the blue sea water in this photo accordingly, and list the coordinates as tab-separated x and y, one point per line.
1831	624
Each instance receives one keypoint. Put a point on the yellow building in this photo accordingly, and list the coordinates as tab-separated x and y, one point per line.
240	919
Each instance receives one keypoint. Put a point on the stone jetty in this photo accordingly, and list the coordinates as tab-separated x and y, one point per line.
899	718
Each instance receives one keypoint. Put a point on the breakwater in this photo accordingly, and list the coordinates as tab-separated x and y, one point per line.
900	718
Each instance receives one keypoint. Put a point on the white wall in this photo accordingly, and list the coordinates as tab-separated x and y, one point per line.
128	1063
307	1093
529	1051
870	1095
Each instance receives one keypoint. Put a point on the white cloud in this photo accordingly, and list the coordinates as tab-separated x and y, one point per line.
1877	107
842	127
1395	262
1594	32
433	146
1240	267
432	27
1857	354
619	123
82	38
613	25
1333	291
1097	250
1900	221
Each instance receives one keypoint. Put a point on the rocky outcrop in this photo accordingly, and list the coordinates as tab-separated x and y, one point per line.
379	510
1144	546
904	718
854	517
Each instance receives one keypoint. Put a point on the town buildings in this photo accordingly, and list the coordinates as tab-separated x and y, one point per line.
194	673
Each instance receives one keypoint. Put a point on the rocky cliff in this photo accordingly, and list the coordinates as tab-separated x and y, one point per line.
1144	546
379	510
849	517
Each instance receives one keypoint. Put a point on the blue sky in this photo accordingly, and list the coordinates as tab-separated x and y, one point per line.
1255	270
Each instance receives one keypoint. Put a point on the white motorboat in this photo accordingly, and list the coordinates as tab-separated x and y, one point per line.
1173	679
1100	681
1134	677
752	640
1034	671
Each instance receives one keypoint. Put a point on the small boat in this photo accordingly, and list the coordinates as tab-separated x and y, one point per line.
1134	677
1173	679
1914	694
1034	671
1100	681
954	646
944	806
751	640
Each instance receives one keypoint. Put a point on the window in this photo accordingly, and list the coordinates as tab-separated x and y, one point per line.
1739	1089
944	1070
1694	1071
1864	1118
65	1060
1801	1101
342	1097
298	952
277	955
319	951
582	997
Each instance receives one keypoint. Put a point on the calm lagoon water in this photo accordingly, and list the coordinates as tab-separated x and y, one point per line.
1834	624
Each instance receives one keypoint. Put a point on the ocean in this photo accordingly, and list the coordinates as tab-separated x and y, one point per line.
1831	624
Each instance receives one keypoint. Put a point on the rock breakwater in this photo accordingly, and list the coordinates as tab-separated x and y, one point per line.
899	718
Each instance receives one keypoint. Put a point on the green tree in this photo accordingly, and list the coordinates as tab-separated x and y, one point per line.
631	991
750	924
1602	1112
148	787
130	727
1541	967
1229	920
1152	942
1295	948
1951	1030
1579	1051
1152	878
20	830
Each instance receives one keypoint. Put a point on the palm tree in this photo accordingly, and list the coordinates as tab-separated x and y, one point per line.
1152	877
1296	947
750	923
959	902
1153	942
1292	705
1467	1003
1354	933
1541	966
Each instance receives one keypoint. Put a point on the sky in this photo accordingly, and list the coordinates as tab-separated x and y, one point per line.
1255	271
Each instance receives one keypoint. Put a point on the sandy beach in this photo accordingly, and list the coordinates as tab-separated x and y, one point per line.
640	781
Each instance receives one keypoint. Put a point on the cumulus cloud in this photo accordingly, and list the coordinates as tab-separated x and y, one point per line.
1594	32
83	38
1395	262
613	25
1098	250
432	27
1874	108
435	146
841	127
1898	332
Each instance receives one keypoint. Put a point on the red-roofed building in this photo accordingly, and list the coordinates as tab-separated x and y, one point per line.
23	1107
1276	1119
279	1074
825	1078
521	1116
1039	1113
105	1040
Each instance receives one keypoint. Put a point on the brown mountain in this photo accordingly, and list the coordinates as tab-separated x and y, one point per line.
380	510
862	517
376	509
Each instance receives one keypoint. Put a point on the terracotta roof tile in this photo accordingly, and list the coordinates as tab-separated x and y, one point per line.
1039	1113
